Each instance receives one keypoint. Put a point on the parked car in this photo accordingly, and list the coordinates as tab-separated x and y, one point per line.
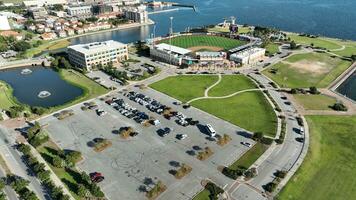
246	144
100	112
96	177
181	136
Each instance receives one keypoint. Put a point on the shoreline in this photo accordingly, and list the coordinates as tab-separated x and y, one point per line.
121	27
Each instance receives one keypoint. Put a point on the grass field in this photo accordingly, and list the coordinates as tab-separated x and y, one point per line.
272	49
204	40
249	157
90	88
230	84
185	88
249	110
47	46
6	98
305	70
328	43
315	102
203	195
328	170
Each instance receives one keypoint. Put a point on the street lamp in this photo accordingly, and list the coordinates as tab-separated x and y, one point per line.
170	41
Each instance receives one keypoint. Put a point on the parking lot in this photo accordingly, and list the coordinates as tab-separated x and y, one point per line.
133	165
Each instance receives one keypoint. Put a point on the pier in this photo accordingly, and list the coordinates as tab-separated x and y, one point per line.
163	11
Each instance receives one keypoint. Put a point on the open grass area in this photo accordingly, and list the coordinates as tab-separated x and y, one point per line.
90	88
249	110
305	70
249	157
315	102
230	84
204	40
272	48
335	45
203	195
185	87
6	98
328	170
47	46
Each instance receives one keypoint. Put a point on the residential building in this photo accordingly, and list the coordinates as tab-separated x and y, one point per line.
139	14
48	36
248	56
80	11
89	55
14	34
169	53
38	13
62	33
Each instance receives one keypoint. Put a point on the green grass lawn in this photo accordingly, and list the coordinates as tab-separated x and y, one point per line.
315	102
204	40
249	110
203	195
328	43
6	98
47	46
185	87
272	49
242	30
90	88
230	84
328	170
249	157
305	70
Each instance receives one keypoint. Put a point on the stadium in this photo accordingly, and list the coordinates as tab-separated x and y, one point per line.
201	50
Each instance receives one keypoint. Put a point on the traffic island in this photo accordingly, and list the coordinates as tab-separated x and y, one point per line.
101	145
203	155
223	140
182	171
156	190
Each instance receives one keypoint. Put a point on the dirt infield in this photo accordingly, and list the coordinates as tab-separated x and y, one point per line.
205	48
306	66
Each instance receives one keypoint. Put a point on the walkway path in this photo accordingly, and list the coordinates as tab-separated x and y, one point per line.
206	92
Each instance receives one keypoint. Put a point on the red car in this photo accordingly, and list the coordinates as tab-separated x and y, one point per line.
96	177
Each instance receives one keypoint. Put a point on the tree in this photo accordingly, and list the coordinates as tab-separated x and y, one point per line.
73	157
2	184
339	107
38	110
95	190
57	7
25	149
44	175
293	45
313	90
293	91
19	183
257	136
21	46
39	167
28	36
82	191
353	57
58	162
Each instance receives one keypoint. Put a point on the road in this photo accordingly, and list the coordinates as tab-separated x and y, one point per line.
9	192
15	163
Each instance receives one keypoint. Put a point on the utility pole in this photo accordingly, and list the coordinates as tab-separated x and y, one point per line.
170	41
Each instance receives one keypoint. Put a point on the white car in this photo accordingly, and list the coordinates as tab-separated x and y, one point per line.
181	136
246	144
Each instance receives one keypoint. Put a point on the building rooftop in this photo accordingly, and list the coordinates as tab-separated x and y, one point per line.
247	52
209	54
96	46
173	49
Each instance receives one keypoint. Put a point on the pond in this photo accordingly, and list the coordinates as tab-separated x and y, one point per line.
39	86
348	87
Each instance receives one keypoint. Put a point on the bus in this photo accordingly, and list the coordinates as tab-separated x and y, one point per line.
211	131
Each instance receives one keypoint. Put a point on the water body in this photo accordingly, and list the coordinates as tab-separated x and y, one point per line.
332	18
348	87
28	86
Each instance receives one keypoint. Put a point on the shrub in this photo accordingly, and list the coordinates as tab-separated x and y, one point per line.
251	173
293	91
271	186
281	173
38	110
156	190
214	190
203	155
182	171
73	157
82	191
95	190
313	90
224	140
266	141
25	149
339	107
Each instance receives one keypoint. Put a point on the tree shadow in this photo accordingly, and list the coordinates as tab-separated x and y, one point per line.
174	163
173	172
244	134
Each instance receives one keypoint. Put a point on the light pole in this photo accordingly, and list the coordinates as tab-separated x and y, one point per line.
170	41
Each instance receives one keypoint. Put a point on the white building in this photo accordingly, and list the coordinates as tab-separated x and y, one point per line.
169	53
4	23
92	54
248	56
139	14
80	11
210	56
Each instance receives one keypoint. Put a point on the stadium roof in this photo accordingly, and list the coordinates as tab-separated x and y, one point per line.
209	54
174	49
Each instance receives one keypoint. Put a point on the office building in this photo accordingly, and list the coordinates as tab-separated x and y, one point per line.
89	55
248	56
